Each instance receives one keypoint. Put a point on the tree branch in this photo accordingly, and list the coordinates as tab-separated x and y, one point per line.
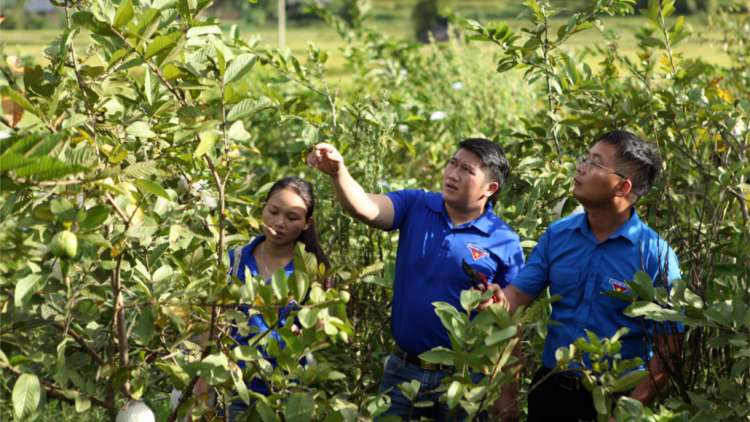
81	342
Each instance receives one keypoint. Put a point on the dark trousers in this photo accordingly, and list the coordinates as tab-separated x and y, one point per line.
559	400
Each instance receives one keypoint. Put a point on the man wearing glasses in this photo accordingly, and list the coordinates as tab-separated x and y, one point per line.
585	255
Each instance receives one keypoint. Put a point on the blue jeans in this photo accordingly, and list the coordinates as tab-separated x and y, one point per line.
236	408
398	371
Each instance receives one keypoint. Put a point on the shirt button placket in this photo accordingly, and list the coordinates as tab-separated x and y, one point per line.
591	279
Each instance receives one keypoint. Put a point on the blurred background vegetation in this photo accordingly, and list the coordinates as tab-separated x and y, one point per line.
30	24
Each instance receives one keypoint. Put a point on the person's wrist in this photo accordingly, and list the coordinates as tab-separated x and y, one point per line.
341	171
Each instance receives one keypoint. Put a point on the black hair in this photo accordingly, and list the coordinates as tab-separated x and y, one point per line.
494	162
636	158
309	236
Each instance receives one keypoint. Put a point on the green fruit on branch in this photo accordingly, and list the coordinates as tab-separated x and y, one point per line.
342	336
135	411
64	245
344	296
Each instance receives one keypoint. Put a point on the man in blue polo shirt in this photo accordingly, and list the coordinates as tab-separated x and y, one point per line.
437	232
585	255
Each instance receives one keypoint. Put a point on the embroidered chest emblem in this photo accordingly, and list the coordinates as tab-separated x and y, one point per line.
619	286
477	252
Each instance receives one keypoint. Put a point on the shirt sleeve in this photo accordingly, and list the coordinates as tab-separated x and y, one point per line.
512	267
534	277
667	270
403	203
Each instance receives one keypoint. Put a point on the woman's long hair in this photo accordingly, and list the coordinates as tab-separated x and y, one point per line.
308	237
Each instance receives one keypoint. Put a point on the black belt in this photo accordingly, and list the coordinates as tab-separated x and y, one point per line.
414	359
567	382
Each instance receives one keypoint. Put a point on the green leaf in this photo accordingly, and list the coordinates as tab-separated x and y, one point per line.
208	139
438	355
27	396
653	42
160	43
240	387
501	335
653	311
171	52
124	15
141	170
646	284
146	327
248	107
470	299
629	381
308	317
300	408
265	412
63	210
147	24
82	403
118	154
14	161
153	188
96	239
455	394
601	400
27	287
237	132
141	130
74	121
118	56
46	168
239	68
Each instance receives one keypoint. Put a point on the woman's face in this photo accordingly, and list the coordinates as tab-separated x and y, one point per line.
285	213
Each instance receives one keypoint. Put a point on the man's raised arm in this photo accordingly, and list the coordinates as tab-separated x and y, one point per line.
374	210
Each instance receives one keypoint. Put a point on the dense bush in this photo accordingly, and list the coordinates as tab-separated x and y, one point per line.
157	156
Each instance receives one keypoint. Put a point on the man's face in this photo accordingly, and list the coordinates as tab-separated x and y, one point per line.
464	181
597	185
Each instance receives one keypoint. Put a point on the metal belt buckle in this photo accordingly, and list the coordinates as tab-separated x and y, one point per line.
569	383
429	365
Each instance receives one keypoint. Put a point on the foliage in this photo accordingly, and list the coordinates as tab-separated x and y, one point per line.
157	157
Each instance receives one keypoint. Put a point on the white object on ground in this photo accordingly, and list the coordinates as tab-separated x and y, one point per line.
438	115
135	411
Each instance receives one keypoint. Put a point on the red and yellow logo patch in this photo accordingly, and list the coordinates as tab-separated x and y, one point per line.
477	252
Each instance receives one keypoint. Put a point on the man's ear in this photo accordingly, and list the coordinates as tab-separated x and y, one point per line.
492	187
626	186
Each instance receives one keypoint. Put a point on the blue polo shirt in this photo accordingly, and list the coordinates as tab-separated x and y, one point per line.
247	260
570	260
428	265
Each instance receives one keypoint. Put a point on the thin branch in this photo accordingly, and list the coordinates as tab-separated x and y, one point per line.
117	207
150	66
666	38
50	182
545	46
7	123
82	343
56	391
86	103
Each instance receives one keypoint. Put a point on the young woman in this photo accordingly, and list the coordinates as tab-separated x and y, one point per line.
287	219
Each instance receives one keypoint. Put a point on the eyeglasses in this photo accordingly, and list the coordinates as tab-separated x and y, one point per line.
589	162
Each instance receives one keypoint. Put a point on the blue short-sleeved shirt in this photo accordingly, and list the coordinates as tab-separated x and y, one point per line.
247	260
428	265
570	260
